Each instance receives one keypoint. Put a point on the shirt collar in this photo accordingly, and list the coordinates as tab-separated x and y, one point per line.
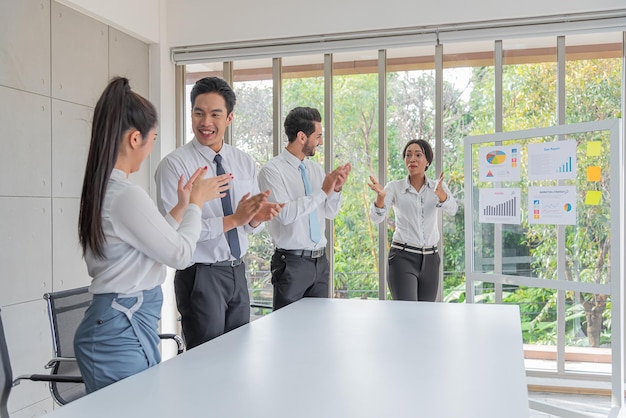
208	152
407	184
118	174
291	159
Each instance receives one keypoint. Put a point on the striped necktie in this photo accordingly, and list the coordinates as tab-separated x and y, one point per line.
231	235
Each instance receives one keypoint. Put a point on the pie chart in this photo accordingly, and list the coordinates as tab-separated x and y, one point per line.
496	157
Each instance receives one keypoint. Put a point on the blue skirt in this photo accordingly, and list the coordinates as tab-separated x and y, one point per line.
118	337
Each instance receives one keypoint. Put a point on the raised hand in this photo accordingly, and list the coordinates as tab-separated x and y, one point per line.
342	176
248	207
198	190
335	180
441	194
376	187
268	211
204	189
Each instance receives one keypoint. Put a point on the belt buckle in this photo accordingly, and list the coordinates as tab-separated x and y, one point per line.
235	263
317	253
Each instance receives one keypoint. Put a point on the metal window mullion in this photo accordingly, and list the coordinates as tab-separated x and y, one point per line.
618	295
560	229
439	148
277	104
227	67
382	169
328	160
180	93
498	63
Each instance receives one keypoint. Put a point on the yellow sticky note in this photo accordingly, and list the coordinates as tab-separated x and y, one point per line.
594	148
593	198
594	173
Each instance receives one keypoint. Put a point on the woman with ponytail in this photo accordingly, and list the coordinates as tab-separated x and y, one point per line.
126	242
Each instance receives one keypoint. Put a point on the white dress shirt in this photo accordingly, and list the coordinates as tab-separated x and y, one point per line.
212	245
290	229
415	212
139	240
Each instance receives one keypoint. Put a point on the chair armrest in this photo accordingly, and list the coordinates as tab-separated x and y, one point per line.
48	378
179	341
56	360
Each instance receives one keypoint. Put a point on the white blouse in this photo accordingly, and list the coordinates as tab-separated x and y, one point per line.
415	211
139	240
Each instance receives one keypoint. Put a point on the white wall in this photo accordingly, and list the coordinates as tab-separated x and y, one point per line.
54	64
192	22
139	18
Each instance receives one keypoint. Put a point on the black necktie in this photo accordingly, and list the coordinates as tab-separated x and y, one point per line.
227	207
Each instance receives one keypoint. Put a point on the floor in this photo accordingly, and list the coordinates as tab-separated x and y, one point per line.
590	405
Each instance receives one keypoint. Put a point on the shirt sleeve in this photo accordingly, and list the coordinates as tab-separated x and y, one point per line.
333	204
166	179
255	190
270	178
137	221
450	205
377	215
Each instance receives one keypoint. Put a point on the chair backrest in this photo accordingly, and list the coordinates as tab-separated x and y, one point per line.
6	375
66	309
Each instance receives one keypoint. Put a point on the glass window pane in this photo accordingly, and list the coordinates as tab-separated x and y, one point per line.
593	77
529	83
253	133
355	140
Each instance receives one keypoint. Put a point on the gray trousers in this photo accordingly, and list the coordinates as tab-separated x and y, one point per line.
413	276
212	300
295	277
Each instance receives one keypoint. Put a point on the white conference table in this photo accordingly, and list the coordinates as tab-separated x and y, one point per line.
329	358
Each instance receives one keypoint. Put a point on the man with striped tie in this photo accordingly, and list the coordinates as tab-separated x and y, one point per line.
299	265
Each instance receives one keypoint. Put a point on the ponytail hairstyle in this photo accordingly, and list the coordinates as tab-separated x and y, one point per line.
118	110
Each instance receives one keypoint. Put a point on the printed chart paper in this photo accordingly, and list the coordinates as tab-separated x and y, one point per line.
552	160
499	205
499	163
552	205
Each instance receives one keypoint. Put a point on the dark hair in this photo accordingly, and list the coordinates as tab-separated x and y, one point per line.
428	151
214	85
301	119
118	110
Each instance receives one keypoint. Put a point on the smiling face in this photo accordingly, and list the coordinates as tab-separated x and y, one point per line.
209	119
415	160
313	141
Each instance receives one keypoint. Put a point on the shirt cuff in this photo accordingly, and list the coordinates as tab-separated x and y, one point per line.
380	211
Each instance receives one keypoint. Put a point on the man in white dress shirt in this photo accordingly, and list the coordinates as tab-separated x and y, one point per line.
299	265
212	293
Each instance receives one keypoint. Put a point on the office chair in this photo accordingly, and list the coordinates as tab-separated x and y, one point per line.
6	375
259	309
66	308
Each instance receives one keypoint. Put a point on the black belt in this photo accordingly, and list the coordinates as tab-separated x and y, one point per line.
304	253
227	263
416	250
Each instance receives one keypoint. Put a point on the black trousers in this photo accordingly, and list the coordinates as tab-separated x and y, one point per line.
212	300
295	277
413	276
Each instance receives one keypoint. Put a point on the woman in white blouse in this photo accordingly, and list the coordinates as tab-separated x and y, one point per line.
126	242
413	257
